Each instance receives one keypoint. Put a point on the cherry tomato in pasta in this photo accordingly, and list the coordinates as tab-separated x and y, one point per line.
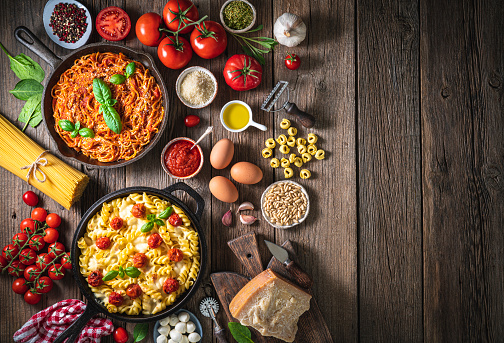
139	260
170	285
115	299
116	223
154	240
51	235
95	278
175	220
39	214
138	210
175	255
30	199
133	291
103	243
53	220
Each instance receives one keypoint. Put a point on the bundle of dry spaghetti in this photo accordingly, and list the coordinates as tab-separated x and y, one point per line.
26	159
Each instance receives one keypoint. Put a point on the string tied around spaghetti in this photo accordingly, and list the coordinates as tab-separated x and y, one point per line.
35	166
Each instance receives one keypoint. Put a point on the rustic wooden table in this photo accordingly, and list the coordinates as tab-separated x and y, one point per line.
404	239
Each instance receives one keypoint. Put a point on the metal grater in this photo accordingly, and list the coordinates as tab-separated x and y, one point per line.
275	94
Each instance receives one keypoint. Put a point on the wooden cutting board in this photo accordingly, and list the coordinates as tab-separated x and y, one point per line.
311	326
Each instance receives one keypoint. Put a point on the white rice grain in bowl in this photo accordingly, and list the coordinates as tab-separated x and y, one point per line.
196	87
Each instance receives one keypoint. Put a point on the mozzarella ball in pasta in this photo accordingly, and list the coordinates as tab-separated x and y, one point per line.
162	339
194	337
180	327
164	330
183	317
190	327
175	335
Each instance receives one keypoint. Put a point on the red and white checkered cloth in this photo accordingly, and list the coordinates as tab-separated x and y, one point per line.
46	325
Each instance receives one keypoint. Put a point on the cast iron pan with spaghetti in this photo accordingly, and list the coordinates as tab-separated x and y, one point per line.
60	65
94	306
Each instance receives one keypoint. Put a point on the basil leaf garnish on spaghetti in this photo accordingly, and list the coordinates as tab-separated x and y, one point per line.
166	213
101	91
66	125
86	132
111	118
117	79
132	272
110	275
130	69
103	95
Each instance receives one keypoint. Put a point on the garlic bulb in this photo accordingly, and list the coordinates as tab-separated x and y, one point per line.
289	30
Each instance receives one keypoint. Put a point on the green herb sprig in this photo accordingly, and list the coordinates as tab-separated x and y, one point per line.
29	88
153	220
240	333
75	129
267	44
132	272
118	79
103	95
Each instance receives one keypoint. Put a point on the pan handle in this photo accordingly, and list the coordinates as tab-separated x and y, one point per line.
180	186
74	330
36	46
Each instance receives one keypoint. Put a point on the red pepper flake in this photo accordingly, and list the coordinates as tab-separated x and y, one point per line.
68	22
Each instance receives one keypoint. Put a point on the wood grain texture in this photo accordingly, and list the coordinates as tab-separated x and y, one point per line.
390	203
463	154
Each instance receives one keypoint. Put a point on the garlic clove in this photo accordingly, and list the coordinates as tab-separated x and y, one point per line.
247	219
245	206
227	218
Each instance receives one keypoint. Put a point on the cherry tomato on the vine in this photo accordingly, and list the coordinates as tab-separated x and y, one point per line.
39	214
56	271
176	11
53	220
10	251
51	235
175	54
55	249
27	257
120	335
16	269
292	61
147	29
19	286
191	120
44	284
66	261
36	243
30	199
20	239
113	23
209	39
31	272
32	298
3	262
28	226
43	260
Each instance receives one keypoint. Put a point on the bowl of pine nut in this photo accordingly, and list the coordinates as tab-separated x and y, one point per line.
285	204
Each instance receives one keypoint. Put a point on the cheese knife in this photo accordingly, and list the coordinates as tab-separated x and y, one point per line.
303	279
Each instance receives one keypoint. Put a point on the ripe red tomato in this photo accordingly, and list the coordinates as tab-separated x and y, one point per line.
10	251
19	286
170	285
27	257
209	39
175	220
31	272
39	214
120	335
154	240
292	61
103	243
174	55
53	220
56	271
16	269
43	260
36	243
51	235
66	261
55	249
27	226
30	199
175	255
20	239
32	298
3	262
113	23
191	120
44	284
242	72
147	29
180	10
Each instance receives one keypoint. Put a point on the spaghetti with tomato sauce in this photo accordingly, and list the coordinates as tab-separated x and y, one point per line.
139	104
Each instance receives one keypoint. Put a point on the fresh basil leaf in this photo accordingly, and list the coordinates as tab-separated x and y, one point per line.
31	112
112	118
130	69
117	79
27	88
121	273
151	216
121	269
66	125
159	222
132	272
240	333
147	227
110	275
111	102
166	213
77	125
101	91
24	67
140	331
86	132
74	134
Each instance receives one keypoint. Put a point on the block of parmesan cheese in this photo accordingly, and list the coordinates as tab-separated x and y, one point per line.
271	305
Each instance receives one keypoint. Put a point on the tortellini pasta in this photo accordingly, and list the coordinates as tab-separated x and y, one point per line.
292	131
266	152
306	157
305	174
285	124
275	163
301	149
284	163
298	162
312	149
301	141
291	141
320	154
288	173
282	139
284	149
292	157
312	138
270	143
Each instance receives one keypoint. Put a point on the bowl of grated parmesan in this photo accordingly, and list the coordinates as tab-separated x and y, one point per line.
196	87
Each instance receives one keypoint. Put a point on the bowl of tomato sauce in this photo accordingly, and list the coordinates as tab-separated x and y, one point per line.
179	161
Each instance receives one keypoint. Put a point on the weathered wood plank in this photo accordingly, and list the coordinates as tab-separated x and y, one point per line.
462	62
389	162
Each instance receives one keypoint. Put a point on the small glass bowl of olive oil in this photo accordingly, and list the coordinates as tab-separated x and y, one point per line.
236	116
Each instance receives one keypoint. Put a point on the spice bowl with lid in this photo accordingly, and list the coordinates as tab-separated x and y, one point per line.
237	12
179	160
196	87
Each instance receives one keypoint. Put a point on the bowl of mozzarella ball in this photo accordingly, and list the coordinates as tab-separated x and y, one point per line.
180	327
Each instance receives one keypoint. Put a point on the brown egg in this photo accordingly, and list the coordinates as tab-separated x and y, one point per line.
223	189
246	172
222	154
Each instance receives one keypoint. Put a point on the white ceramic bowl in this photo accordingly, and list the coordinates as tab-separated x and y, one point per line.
254	13
181	77
163	158
48	10
192	318
300	220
